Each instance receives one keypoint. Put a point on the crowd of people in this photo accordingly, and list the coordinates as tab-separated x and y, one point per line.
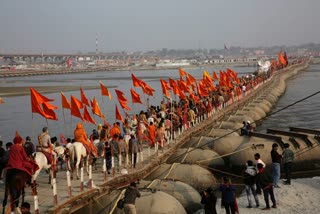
257	180
154	128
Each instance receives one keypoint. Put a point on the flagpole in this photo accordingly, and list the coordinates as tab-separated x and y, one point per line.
64	121
32	127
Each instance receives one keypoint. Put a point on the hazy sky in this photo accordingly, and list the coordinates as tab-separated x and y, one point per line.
131	25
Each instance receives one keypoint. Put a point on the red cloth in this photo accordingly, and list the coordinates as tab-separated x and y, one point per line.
18	160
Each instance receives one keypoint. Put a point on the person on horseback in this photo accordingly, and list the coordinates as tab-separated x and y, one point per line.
80	135
46	146
18	158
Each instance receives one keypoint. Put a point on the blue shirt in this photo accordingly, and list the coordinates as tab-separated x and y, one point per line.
227	193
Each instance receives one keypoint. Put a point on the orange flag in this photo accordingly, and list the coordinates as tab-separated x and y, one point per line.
135	81
122	99
48	110
64	102
202	90
182	72
147	89
105	91
124	105
215	76
96	108
84	99
118	115
36	100
165	87
75	107
39	97
87	117
1	101
282	60
120	95
135	97
191	78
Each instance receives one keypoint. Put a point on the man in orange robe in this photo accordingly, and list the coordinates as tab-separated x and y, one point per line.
152	134
115	130
80	135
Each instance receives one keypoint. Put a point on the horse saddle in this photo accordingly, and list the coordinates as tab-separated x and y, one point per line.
49	156
88	149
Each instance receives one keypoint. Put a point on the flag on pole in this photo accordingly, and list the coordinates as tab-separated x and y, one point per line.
182	72
84	99
64	102
105	91
118	115
135	81
87	117
122	99
225	47
135	96
40	104
76	105
48	110
95	108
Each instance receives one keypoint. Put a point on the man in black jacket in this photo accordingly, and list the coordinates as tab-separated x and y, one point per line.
130	196
209	200
265	180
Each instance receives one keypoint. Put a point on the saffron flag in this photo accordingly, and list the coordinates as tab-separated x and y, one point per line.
147	89
1	101
96	108
135	97
84	99
282	60
118	115
122	99
165	87
75	107
105	91
191	78
64	102
87	117
182	72
120	95
39	97
48	110
215	76
135	81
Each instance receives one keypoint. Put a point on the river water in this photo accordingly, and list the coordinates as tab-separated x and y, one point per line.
16	114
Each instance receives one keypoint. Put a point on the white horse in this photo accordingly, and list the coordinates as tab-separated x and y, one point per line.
77	150
42	162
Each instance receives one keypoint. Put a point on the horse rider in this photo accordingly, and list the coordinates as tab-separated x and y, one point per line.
45	143
18	158
80	135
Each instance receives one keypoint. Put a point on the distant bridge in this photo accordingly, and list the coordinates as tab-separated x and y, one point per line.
75	57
